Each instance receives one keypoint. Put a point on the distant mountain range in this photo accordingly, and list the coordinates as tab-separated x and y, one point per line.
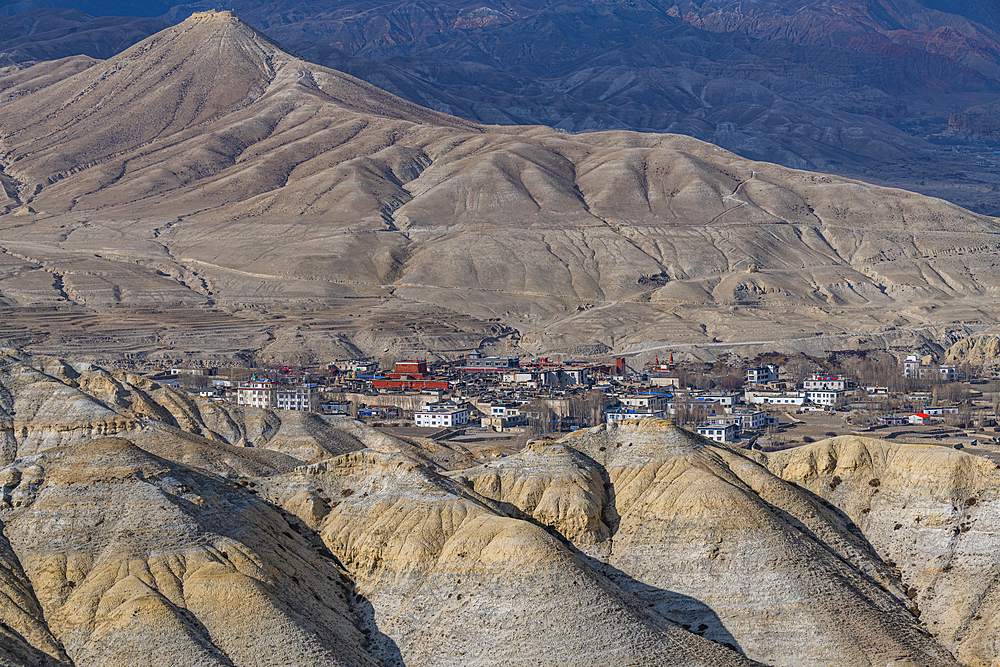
862	88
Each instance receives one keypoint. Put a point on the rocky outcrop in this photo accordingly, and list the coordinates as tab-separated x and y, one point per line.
979	350
931	513
713	540
136	560
557	486
454	580
47	403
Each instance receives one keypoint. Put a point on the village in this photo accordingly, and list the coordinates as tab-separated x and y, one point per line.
497	399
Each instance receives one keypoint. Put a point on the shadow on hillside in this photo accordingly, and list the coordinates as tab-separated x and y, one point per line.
377	643
689	613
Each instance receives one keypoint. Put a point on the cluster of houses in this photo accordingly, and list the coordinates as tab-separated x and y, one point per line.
818	392
276	396
492	393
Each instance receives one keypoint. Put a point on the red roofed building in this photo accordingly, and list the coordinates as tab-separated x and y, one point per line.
410	374
415	367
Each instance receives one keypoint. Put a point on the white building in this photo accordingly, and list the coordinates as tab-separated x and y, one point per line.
916	368
720	432
725	420
726	399
441	415
940	412
258	394
177	370
563	377
477	363
762	374
303	398
777	399
818	382
356	366
613	415
653	402
751	420
826	397
527	378
505	410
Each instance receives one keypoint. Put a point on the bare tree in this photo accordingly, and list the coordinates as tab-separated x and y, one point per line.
597	402
798	368
539	416
862	418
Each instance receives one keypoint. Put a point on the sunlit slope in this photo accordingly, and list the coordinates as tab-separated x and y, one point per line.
708	538
452	579
931	512
134	560
205	165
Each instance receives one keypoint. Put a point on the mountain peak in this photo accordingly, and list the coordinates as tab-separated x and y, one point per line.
213	15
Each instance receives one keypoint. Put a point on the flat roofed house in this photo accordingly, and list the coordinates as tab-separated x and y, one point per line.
778	399
817	382
336	408
302	398
416	367
479	364
828	397
726	399
654	402
441	415
894	421
618	414
258	394
720	432
379	412
751	420
916	368
762	374
505	410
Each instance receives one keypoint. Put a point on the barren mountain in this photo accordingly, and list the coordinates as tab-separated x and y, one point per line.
205	170
776	81
789	93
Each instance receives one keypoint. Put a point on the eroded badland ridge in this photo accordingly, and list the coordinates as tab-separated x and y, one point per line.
143	525
205	193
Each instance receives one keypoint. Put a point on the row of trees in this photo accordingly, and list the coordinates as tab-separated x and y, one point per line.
582	409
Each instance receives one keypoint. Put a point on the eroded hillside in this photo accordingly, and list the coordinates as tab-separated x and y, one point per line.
178	540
